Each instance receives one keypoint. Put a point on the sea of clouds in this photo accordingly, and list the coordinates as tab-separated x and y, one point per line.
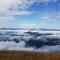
26	41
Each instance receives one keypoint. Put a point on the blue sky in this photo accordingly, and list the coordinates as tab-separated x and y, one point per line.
30	13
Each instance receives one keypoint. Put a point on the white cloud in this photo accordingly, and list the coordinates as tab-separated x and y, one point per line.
31	26
21	13
14	4
50	16
28	25
20	25
9	25
7	18
47	1
45	17
9	8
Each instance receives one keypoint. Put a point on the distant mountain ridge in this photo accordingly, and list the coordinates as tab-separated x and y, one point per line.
42	29
50	29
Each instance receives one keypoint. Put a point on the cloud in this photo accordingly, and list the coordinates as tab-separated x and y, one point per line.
28	25
10	8
21	13
20	25
9	25
47	1
50	15
31	26
45	17
14	4
7	18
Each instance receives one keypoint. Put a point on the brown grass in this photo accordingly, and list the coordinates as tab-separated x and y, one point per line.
23	55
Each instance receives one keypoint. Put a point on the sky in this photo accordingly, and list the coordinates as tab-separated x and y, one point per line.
30	13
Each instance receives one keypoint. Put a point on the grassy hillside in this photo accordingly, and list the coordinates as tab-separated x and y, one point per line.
23	55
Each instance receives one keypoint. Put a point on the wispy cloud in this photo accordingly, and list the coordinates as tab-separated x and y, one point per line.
14	5
11	8
28	25
20	4
50	16
21	13
7	18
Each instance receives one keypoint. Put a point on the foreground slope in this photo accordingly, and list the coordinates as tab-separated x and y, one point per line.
24	55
